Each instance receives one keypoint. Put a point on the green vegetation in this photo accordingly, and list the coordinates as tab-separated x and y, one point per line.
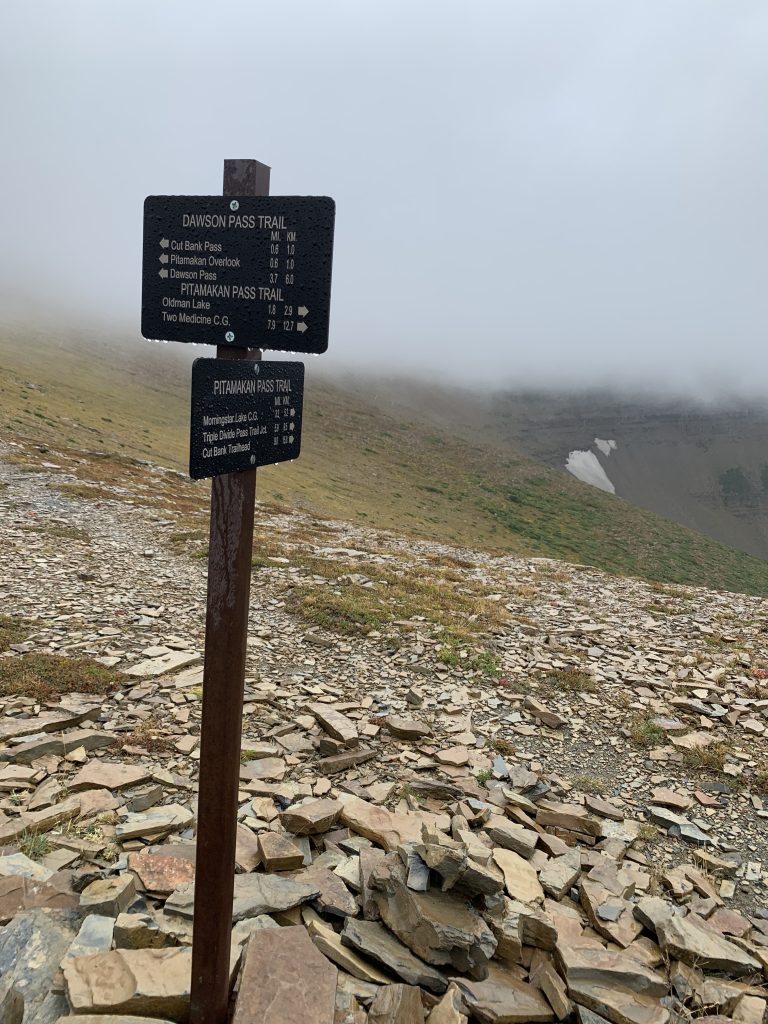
711	758
105	413
660	610
48	676
13	630
487	663
735	485
571	680
484	775
501	746
561	519
62	532
589	784
34	845
644	732
648	832
148	735
355	609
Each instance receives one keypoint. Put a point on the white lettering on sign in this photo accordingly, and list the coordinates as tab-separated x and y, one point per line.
247	221
250	387
213	291
203	220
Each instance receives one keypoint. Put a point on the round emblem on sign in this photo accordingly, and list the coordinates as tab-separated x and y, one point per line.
234	205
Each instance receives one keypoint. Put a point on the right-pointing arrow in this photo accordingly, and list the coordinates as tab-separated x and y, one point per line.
303	311
300	327
164	243
164	257
163	272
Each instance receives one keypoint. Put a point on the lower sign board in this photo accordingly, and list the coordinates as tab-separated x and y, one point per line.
244	414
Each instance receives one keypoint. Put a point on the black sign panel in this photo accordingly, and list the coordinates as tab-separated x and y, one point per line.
253	272
244	414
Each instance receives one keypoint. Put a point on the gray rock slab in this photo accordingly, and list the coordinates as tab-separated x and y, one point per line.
373	940
165	664
31	949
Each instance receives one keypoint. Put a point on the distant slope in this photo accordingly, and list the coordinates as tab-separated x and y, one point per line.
704	466
410	471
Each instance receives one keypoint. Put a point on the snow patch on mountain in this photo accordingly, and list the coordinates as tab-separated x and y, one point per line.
606	447
586	467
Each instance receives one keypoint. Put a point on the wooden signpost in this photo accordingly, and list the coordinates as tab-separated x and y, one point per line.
243	273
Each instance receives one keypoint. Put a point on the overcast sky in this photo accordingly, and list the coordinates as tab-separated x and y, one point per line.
527	191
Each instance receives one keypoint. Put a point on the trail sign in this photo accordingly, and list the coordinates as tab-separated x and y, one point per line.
248	272
244	414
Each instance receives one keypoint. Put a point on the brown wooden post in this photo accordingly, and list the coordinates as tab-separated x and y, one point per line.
226	631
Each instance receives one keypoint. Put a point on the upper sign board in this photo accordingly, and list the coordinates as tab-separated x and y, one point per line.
253	272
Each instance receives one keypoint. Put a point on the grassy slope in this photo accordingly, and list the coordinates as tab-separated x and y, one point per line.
358	462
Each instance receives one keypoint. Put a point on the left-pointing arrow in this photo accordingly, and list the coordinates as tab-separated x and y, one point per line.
300	327
164	243
163	272
164	257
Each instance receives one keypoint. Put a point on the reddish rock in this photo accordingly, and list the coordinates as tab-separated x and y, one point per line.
18	893
160	873
285	979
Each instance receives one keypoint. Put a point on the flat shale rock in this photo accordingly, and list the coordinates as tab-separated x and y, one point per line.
11	1003
18	894
441	928
247	854
313	818
333	897
89	739
502	999
374	940
688	939
603	967
278	853
39	821
335	724
160	873
330	945
155	822
449	1009
407	728
162	665
31	949
98	774
144	982
618	1005
571	817
110	1018
21	865
520	879
109	895
257	894
560	874
381	826
397	1004
47	721
285	980
610	915
510	836
347	759
139	931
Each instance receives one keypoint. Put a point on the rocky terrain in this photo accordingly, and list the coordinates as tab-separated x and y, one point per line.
472	787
